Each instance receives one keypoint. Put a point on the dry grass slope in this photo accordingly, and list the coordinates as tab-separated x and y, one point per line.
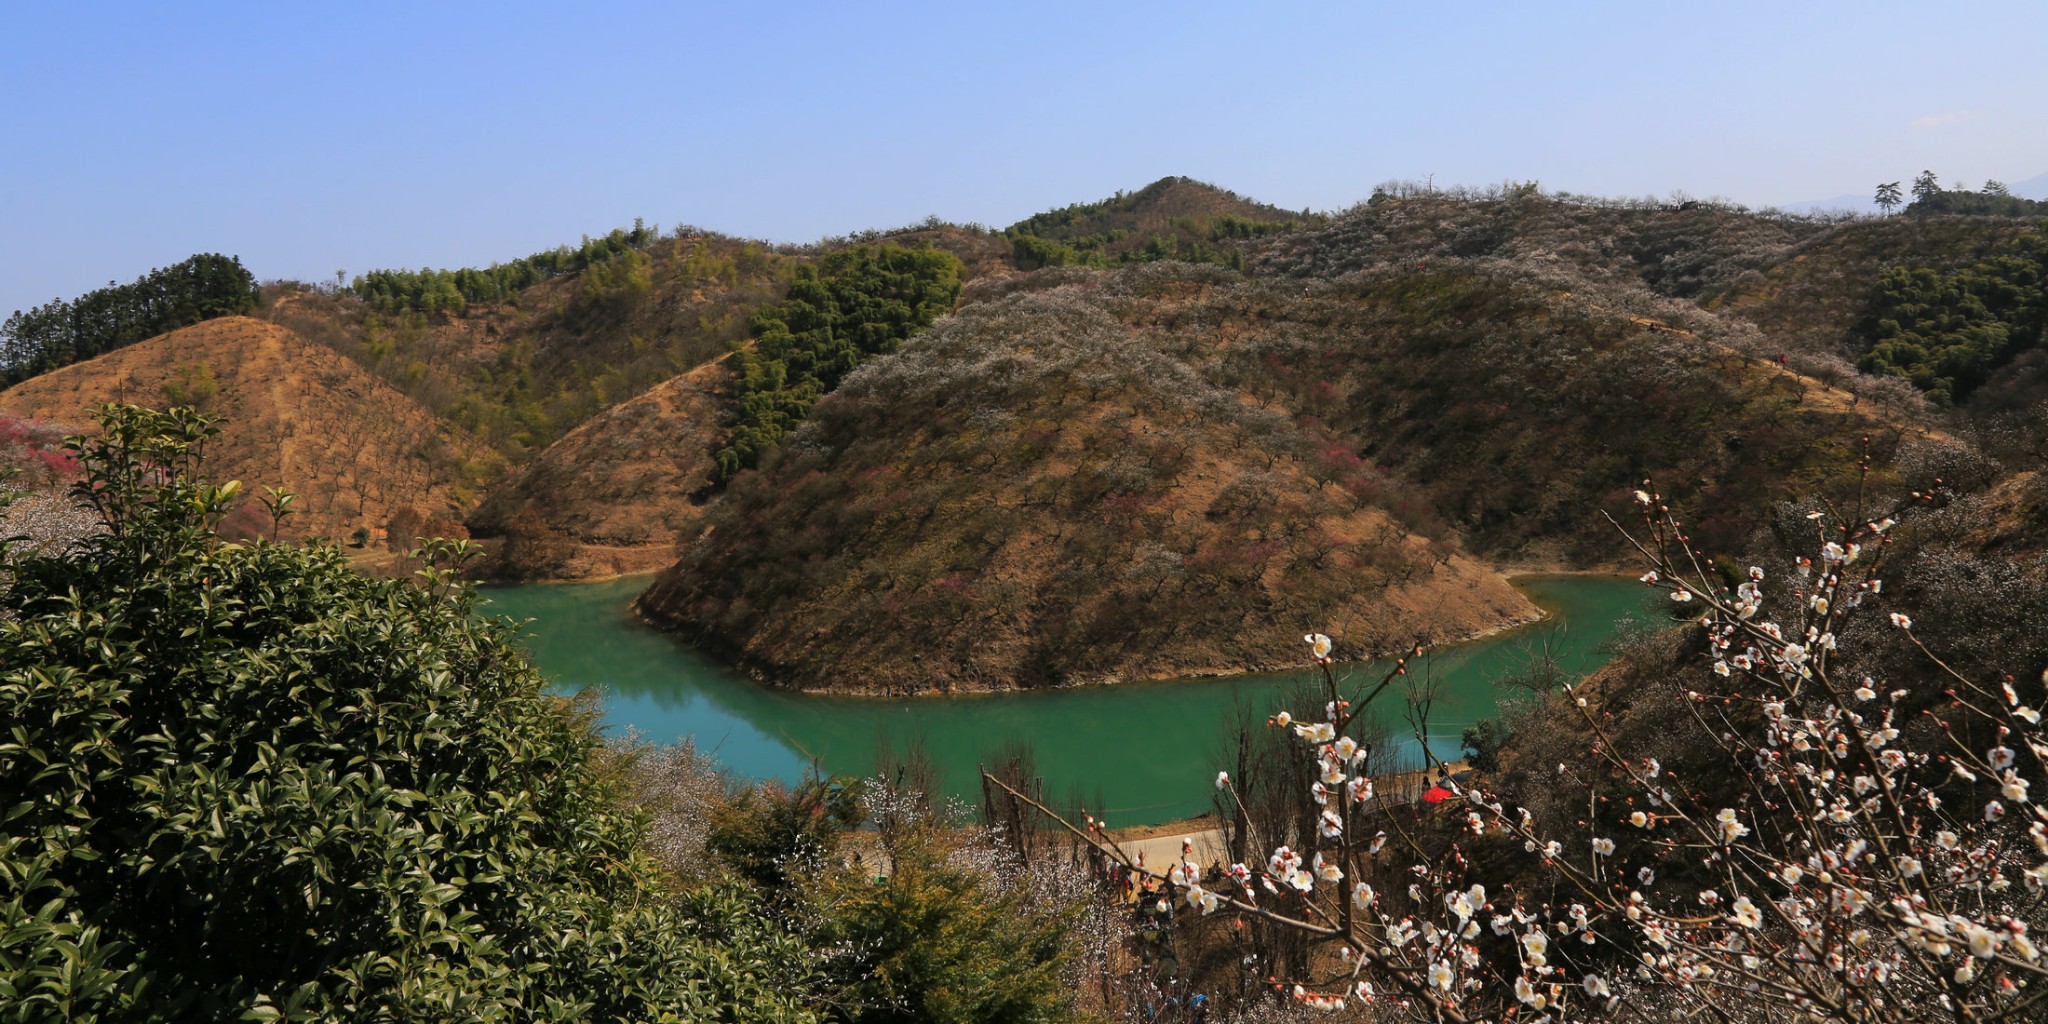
1035	494
299	417
624	486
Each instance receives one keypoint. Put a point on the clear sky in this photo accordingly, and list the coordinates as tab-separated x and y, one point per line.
313	138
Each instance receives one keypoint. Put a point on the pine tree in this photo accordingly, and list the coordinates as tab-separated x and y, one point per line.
1925	187
1888	197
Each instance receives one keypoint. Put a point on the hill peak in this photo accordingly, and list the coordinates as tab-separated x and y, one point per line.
1149	209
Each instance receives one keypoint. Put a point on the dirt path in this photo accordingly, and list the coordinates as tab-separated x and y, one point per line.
1159	847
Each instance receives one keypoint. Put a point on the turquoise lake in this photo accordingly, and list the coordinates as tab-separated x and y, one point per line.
1139	752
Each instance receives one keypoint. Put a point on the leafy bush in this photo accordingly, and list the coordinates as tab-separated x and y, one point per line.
246	781
937	942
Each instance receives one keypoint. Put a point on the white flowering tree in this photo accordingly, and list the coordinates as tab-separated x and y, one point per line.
1868	850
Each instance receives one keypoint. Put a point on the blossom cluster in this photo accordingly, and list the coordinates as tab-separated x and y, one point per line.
1880	857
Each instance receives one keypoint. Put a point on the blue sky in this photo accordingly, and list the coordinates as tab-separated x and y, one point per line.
312	138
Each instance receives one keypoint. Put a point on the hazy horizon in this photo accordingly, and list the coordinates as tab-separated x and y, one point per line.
385	136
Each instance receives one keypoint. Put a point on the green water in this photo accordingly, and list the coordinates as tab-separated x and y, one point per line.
1144	752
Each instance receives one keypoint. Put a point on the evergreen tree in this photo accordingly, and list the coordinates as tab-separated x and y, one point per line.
59	333
1925	187
853	306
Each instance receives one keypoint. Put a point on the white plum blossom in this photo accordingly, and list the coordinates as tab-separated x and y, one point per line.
1316	732
1745	913
2015	788
1731	829
1318	645
1844	834
1327	870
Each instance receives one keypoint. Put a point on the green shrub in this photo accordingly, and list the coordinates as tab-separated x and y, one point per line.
248	782
949	934
936	942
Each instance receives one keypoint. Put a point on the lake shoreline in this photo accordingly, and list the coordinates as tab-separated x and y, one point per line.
739	662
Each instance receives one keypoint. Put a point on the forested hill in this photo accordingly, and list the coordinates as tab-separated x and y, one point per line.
523	371
1681	250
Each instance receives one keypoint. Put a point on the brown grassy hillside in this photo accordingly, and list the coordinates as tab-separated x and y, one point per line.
1509	407
621	488
299	417
1034	494
1158	470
